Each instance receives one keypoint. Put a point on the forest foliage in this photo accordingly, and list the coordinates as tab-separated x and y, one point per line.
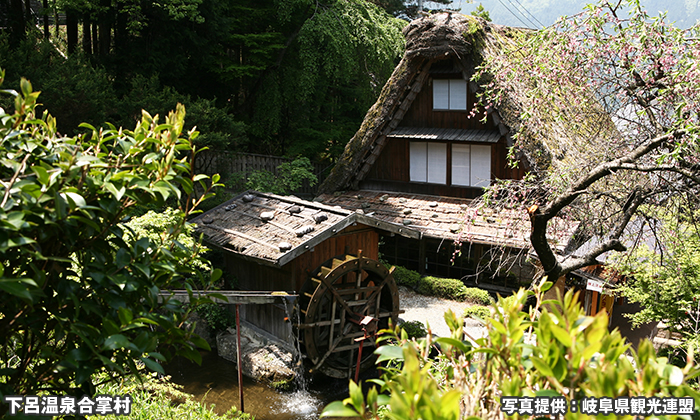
282	77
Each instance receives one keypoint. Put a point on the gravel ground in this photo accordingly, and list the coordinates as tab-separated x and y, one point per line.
431	310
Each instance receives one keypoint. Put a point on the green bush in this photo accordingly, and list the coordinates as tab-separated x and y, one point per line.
216	316
477	296
158	398
568	355
453	289
477	311
405	277
414	329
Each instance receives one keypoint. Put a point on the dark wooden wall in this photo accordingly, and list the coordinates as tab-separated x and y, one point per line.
290	278
421	113
391	170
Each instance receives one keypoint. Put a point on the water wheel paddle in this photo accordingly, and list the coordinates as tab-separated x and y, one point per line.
336	303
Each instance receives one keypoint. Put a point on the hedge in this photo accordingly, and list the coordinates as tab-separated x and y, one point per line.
453	289
477	311
441	287
405	277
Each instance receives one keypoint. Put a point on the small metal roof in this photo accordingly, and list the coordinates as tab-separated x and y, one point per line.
273	229
452	134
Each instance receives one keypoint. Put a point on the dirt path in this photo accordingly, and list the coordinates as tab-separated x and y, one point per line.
431	310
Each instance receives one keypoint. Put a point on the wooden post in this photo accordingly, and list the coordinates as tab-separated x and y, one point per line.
238	358
421	256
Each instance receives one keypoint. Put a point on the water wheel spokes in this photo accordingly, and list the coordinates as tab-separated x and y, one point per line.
338	296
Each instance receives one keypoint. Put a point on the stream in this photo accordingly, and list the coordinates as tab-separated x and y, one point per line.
215	382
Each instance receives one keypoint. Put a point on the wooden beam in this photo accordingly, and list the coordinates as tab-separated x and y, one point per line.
233	297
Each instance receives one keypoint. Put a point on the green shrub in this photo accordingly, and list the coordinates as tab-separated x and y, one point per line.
477	311
216	316
453	289
477	296
158	398
405	277
414	329
572	356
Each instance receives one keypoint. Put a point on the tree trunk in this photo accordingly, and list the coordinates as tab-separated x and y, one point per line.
95	39
87	42
72	29
120	36
17	22
105	27
28	12
45	6
56	21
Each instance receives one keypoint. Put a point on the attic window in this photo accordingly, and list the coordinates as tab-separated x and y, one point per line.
450	94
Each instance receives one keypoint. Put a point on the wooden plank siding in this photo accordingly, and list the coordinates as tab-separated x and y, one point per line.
390	171
291	277
421	113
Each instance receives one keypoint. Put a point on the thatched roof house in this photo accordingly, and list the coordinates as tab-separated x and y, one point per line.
428	141
455	45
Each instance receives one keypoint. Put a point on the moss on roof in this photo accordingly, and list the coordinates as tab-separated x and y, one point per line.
566	136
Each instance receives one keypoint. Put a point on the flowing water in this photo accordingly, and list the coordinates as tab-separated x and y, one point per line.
215	382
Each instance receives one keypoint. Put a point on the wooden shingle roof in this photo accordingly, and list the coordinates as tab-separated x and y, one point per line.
447	217
273	229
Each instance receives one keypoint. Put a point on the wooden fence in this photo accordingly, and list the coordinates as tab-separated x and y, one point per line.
227	163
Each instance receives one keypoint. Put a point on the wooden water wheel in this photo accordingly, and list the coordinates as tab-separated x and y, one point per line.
345	301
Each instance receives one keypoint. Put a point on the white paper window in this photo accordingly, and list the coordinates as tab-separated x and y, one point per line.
480	165
461	164
450	94
471	164
437	163
428	162
419	161
441	94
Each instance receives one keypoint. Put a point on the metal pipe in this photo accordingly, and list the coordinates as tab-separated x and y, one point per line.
238	358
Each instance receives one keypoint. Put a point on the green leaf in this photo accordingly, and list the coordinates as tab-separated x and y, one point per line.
542	367
125	315
200	342
460	345
153	365
561	334
122	258
18	287
356	397
42	174
116	341
338	409
389	352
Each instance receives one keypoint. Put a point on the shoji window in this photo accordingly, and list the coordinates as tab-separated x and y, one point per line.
471	165
450	94
428	162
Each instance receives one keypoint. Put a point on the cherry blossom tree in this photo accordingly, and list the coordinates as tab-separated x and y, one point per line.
608	104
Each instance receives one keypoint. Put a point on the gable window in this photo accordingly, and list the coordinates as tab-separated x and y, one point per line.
470	164
450	94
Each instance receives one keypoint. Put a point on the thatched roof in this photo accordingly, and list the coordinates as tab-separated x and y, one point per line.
273	230
468	41
448	218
